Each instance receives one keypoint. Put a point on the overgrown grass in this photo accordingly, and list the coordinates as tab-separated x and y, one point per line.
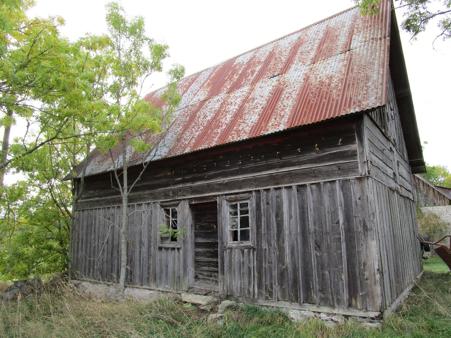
427	313
435	264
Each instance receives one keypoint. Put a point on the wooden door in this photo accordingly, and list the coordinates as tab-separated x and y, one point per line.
205	245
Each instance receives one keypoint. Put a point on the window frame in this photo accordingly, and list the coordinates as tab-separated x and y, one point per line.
237	199
169	244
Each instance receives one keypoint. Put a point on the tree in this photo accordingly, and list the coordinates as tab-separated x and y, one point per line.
132	58
438	175
70	97
418	14
33	232
54	89
46	82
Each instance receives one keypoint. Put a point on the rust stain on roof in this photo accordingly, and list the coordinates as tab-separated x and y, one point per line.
335	67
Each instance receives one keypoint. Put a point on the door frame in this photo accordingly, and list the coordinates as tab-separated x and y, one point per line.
196	202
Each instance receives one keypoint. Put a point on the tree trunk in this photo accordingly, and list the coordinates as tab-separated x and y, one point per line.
5	147
124	222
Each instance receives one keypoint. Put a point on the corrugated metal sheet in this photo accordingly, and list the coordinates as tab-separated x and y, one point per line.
329	69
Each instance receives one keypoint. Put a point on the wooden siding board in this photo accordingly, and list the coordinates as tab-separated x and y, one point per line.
145	245
280	257
91	243
222	257
335	251
260	247
117	247
311	234
270	293
321	244
291	240
100	239
352	268
155	264
344	263
395	221
85	244
359	233
306	256
297	268
274	242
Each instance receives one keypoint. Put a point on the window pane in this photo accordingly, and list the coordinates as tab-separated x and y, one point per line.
234	236
244	222
244	208
174	224
233	209
167	216
233	222
239	221
244	235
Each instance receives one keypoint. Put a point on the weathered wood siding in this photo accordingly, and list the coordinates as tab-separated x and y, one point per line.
385	163
427	195
95	247
395	223
300	156
388	120
391	199
313	245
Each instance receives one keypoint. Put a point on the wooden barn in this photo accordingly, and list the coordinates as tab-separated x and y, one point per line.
286	172
429	195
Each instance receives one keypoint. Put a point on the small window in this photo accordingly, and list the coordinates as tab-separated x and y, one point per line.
169	231
239	223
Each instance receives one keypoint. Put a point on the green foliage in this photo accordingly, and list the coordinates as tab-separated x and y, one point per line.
70	96
417	14
132	58
166	231
33	233
438	175
426	313
49	84
431	225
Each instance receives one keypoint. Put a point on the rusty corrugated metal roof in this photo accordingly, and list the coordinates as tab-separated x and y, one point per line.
332	68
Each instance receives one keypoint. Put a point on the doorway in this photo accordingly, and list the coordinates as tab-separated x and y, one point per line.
205	219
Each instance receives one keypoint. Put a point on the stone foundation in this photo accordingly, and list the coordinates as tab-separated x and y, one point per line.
214	304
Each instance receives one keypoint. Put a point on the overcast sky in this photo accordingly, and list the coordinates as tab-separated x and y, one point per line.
202	33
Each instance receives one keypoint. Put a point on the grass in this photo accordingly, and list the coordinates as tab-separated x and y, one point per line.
426	313
435	264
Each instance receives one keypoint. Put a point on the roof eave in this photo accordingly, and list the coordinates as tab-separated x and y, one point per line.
404	99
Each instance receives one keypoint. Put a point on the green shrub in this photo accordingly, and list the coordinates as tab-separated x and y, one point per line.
430	225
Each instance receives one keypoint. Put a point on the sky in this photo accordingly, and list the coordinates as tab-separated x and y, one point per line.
202	33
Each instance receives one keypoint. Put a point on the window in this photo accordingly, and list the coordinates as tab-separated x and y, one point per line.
239	223
169	231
